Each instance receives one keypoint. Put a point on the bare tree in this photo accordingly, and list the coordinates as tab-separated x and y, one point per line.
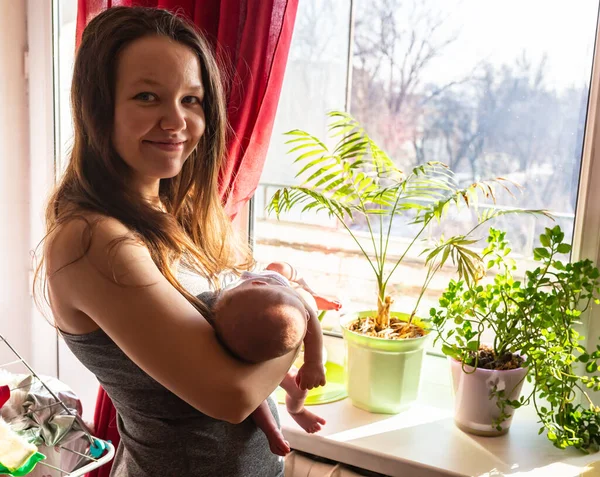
312	32
506	121
395	41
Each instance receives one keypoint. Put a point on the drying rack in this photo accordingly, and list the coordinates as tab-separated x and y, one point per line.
98	453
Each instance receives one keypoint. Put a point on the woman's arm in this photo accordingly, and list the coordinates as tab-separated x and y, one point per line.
153	323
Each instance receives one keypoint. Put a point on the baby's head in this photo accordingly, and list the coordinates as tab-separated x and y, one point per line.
259	320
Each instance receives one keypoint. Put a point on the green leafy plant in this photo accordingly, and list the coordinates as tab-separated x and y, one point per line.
357	179
536	320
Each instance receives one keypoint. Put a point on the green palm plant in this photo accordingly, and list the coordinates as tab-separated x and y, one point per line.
357	178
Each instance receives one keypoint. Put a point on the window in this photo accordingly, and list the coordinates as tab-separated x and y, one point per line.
67	24
489	88
70	370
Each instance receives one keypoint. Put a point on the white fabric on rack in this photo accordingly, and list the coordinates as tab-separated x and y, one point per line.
297	465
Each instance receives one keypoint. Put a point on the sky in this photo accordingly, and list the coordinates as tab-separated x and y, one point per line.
500	30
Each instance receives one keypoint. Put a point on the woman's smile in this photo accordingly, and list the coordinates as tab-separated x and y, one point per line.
168	146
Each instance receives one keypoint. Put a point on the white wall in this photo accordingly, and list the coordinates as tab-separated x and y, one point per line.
15	311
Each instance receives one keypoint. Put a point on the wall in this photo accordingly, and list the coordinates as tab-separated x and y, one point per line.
15	312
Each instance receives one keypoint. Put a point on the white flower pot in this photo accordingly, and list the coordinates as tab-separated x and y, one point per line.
475	408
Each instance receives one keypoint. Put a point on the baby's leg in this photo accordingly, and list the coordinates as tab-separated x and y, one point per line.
266	422
294	402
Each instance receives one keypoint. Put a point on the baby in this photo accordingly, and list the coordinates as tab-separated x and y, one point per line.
251	319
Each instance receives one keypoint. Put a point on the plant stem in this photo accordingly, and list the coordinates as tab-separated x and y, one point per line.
372	235
406	251
430	274
341	220
389	231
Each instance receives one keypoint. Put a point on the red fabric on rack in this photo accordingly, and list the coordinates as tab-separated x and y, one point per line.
105	427
4	395
251	40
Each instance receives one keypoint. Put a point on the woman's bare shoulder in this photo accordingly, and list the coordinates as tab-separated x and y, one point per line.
91	236
67	252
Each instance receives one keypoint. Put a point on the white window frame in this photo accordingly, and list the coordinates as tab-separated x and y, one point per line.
586	233
40	63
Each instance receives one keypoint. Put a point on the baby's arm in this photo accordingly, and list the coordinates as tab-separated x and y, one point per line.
289	272
312	372
283	268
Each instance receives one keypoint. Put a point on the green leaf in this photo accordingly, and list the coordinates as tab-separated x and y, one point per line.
584	358
303	146
591	367
473	345
449	351
318	172
563	248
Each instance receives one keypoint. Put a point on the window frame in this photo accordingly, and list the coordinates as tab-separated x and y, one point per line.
41	70
586	231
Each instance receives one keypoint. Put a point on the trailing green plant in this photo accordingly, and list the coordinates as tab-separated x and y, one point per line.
537	319
357	179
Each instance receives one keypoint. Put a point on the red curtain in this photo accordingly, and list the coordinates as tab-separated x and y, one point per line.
251	38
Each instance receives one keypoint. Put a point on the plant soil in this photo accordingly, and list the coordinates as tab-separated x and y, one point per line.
398	329
489	360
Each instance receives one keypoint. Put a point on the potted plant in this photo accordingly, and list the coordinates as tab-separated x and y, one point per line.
357	180
535	338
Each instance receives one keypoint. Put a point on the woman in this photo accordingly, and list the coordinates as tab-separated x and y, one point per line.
137	204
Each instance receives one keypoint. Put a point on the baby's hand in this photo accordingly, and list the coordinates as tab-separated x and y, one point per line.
311	375
324	303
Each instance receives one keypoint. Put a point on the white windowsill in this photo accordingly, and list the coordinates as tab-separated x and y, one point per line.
424	442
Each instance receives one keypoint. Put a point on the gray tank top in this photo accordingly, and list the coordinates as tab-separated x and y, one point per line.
162	435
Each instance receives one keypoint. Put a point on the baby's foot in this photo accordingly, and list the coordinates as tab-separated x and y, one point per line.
277	444
310	422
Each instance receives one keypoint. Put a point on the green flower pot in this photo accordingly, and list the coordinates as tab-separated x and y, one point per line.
383	375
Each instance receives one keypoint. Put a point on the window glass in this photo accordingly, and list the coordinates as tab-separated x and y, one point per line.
67	20
492	89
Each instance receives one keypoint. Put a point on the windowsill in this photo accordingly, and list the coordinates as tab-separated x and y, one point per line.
424	442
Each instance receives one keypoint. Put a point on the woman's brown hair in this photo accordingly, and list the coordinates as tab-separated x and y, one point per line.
195	227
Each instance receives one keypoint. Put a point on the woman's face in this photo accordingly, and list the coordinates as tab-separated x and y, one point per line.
158	110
